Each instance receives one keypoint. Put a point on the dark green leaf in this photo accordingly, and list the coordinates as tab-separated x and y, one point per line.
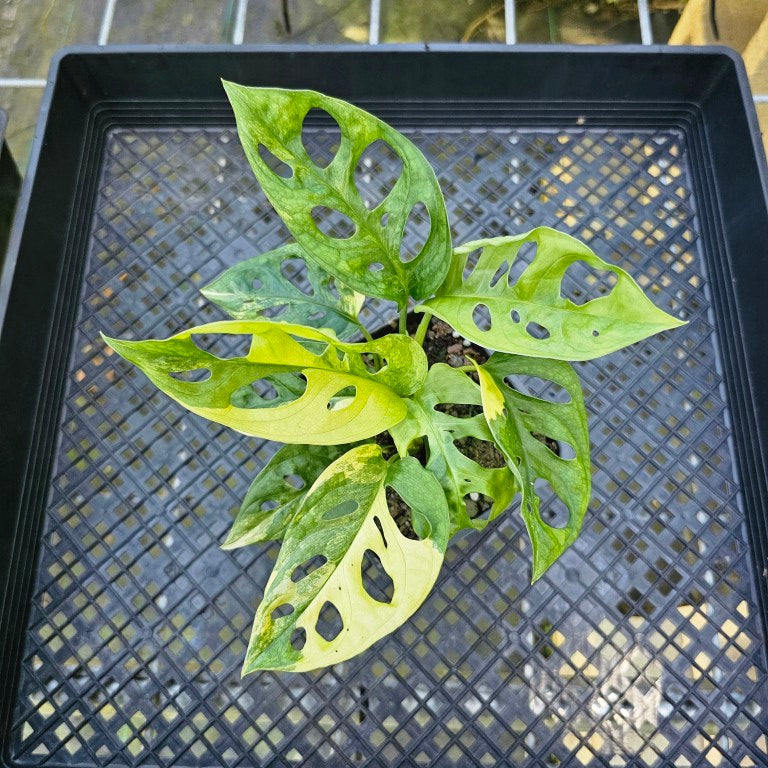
522	426
277	491
249	289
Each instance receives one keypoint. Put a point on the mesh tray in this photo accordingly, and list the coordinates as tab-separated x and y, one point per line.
125	624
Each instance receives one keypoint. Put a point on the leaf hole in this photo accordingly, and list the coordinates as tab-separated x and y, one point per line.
515	315
582	283
281	611
295	481
368	361
415	233
401	513
342	399
333	223
270	391
375	266
482	452
329	622
194	375
256	284
481	317
225	346
298	638
268	504
376	581
321	137
274	163
316	314
384	219
565	450
548	442
478	506
376	173
535	386
419	449
307	567
312	346
501	272
274	312
595	333
459	410
342	509
552	509
525	255
294	270
380	527
537	331
471	263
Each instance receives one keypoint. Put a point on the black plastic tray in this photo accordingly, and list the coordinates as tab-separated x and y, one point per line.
124	625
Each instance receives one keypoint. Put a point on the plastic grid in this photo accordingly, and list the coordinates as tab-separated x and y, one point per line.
640	647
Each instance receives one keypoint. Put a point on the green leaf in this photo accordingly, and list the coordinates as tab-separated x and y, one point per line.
277	491
248	289
369	261
518	421
343	517
334	396
573	331
458	474
419	489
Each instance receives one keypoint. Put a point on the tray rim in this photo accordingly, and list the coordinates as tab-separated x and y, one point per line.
62	59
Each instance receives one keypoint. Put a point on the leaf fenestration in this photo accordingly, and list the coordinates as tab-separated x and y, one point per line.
249	289
365	251
458	474
531	316
277	491
336	398
293	601
518	422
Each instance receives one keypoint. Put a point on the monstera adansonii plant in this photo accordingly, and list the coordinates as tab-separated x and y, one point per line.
368	420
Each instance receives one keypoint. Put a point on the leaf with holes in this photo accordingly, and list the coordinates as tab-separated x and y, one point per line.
368	254
527	428
432	416
531	316
335	395
318	607
277	491
250	289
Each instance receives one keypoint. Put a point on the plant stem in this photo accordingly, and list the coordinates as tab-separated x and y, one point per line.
365	333
403	325
421	331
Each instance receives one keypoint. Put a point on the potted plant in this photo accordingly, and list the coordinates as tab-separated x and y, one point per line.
397	442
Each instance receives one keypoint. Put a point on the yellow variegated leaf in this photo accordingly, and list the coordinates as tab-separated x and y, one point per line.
324	391
343	517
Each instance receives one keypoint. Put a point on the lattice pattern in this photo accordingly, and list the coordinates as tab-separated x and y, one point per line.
640	647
